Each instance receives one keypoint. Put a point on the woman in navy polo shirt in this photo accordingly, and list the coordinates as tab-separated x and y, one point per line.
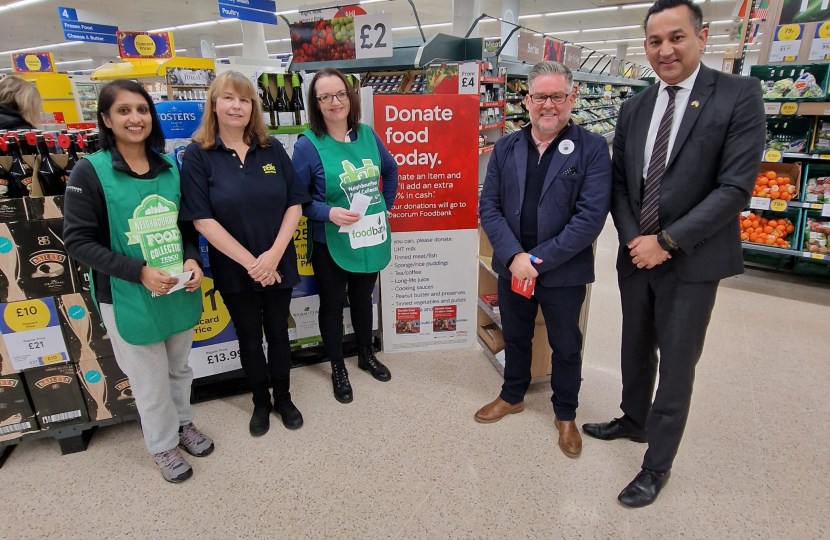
338	158
241	191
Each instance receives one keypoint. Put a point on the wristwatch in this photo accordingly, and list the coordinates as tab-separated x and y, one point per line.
665	241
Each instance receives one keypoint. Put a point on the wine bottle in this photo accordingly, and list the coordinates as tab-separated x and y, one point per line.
51	177
72	155
5	178
286	115
297	102
266	100
20	171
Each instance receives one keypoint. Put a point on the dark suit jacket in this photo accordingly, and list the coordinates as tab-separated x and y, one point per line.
571	212
709	177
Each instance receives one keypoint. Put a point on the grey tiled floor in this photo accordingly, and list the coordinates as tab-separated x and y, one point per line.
406	459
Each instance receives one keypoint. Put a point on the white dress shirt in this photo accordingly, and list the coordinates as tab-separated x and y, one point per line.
681	102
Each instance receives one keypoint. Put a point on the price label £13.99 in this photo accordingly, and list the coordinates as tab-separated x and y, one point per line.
373	35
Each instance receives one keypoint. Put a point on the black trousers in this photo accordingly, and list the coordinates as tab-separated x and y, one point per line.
560	307
332	283
251	313
661	311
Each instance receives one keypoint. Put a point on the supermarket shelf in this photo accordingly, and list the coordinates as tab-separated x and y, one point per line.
516	98
486	150
803	108
517	116
769	249
187	86
489	354
594	107
486	263
287	130
488	104
492	79
800	155
490	313
491	126
595	121
816	257
808	205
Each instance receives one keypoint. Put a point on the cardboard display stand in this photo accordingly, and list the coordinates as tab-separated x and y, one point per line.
106	388
32	334
86	337
16	415
56	395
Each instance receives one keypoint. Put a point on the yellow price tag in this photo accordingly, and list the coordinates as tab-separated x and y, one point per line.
824	156
301	246
789	32
824	30
773	156
215	315
607	87
778	205
815	206
52	359
818	256
789	108
27	315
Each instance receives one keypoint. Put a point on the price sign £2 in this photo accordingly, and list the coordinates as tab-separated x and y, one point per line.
373	35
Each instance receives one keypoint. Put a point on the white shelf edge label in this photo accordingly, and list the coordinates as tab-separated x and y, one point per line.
760	203
825	210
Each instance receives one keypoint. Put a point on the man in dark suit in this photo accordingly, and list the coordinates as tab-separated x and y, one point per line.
544	202
686	154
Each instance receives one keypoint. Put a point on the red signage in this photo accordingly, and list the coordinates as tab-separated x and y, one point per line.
432	138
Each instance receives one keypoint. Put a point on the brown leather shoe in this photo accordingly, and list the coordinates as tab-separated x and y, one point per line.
498	409
570	441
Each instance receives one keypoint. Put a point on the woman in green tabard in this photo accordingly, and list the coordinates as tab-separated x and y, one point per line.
121	219
338	158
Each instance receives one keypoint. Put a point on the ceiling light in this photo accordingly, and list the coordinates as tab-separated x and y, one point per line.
435	25
195	25
181	50
227	45
726	21
289	11
405	28
589	42
277	40
21	3
578	11
699	1
165	29
370	1
612	28
633	6
220	21
42	47
623	40
531	16
73	62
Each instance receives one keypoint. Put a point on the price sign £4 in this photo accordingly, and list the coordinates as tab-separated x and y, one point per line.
468	78
373	35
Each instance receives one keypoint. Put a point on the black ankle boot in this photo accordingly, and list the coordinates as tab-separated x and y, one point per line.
261	419
367	361
291	417
340	381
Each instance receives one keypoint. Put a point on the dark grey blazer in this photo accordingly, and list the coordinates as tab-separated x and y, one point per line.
709	178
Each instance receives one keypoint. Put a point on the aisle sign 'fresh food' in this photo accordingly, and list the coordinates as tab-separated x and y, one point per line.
145	45
33	62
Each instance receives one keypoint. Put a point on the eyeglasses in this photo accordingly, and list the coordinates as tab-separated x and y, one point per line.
540	99
326	98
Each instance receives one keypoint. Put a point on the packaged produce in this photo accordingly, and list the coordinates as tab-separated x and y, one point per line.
817	190
771	186
771	231
822	140
815	236
803	87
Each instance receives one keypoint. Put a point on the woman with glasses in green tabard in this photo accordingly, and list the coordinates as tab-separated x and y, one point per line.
337	158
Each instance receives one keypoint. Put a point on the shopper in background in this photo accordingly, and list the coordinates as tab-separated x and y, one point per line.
239	188
544	202
337	158
686	154
20	104
110	195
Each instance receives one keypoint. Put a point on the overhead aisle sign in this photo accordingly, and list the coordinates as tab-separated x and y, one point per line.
261	11
75	29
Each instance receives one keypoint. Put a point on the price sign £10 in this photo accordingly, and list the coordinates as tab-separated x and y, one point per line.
373	35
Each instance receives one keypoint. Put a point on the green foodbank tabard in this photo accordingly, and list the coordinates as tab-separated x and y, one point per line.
154	226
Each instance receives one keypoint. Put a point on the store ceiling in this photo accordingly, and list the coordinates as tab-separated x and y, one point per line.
35	24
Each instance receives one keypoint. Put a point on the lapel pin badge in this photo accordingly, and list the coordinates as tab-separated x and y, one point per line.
695	104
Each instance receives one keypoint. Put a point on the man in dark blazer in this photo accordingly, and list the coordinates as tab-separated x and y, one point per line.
544	202
686	154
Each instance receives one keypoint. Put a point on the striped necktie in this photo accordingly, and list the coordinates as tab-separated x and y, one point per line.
650	213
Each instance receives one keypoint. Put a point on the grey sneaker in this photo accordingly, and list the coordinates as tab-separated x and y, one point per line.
194	441
174	468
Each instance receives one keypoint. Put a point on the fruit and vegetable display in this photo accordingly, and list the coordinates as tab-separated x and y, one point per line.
815	236
770	185
323	40
771	231
803	87
817	190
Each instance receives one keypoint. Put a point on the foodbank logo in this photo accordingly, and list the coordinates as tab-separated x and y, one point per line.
154	226
360	180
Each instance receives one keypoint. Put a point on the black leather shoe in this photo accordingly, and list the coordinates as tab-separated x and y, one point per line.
261	419
283	406
609	431
643	490
367	361
340	382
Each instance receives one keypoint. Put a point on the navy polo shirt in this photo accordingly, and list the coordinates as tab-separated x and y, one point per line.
249	200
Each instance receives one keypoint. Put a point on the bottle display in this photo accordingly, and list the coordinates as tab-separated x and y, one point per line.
284	112
266	100
52	178
297	102
72	154
20	172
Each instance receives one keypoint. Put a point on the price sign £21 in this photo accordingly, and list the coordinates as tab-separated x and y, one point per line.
373	35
